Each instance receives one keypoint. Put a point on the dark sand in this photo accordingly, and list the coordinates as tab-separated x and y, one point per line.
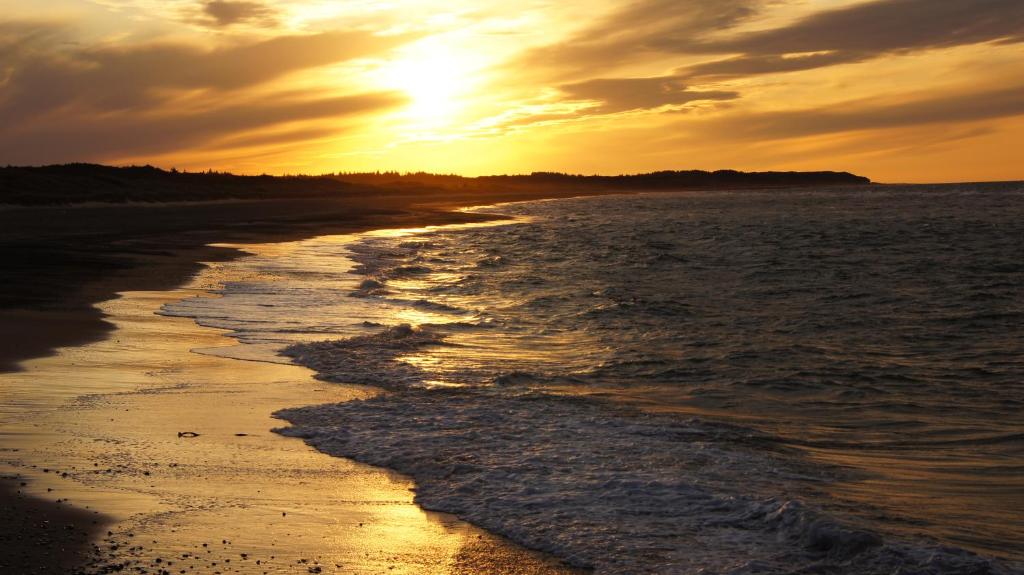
41	536
60	261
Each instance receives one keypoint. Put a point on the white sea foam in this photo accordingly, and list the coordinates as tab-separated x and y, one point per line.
618	491
368	360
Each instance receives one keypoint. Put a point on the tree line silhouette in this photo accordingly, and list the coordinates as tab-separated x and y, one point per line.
81	183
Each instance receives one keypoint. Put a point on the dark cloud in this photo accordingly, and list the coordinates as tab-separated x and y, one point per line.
849	34
113	79
885	26
227	13
771	64
624	94
985	104
66	102
640	29
95	138
858	33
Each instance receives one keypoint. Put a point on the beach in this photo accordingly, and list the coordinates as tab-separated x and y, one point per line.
522	366
115	433
66	267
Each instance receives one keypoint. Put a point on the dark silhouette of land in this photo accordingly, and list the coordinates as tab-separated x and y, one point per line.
90	183
664	180
82	183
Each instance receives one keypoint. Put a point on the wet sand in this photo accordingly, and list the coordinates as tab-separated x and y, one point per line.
43	536
60	262
97	426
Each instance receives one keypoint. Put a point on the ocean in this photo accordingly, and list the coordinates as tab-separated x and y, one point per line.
807	380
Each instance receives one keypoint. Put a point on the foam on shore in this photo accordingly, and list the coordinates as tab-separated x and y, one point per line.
604	487
619	492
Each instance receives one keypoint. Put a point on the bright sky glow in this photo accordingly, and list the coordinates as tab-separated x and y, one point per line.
899	90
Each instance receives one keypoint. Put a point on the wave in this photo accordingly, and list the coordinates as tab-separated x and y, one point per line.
406	271
610	489
492	262
602	486
520	378
369	359
429	305
370	287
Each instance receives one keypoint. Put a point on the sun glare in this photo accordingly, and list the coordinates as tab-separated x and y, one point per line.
435	77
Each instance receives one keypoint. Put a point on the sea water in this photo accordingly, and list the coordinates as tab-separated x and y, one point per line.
823	380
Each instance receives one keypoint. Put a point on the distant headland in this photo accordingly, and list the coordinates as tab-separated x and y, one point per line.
93	183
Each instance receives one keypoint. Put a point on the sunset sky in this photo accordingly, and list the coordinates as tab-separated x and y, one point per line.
897	90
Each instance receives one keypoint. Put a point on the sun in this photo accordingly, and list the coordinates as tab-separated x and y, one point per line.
437	79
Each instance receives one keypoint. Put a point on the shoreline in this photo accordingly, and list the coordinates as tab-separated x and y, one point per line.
42	333
193	502
433	439
100	249
39	323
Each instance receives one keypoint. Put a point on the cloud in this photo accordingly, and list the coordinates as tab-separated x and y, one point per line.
651	29
638	30
963	107
112	79
754	65
625	94
227	13
90	138
884	26
590	99
858	33
62	101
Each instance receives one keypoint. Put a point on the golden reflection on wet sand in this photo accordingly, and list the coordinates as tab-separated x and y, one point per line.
108	416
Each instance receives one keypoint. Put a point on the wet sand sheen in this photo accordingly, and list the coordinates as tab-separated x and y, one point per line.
237	493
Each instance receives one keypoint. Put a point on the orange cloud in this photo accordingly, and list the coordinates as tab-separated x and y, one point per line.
89	103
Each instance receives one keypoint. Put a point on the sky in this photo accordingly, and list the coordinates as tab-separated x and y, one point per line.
896	90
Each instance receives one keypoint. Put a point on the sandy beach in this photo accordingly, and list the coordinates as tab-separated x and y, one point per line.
135	446
236	498
81	338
